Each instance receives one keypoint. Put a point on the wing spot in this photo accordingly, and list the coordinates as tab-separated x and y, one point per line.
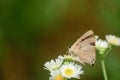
92	64
92	43
87	37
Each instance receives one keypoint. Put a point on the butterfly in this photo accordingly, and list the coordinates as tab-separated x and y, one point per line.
84	48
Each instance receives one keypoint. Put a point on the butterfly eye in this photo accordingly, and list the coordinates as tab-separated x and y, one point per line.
69	47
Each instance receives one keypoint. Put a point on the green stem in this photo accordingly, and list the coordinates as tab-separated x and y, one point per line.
104	69
110	48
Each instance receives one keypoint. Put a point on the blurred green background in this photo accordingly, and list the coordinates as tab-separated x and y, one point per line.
35	31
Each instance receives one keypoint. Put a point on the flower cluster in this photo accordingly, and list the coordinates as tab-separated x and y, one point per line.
64	68
67	66
103	45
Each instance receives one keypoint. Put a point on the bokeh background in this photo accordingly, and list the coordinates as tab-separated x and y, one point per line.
35	31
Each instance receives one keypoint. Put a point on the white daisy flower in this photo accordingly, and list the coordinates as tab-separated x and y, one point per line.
101	45
71	70
69	57
113	40
53	64
56	75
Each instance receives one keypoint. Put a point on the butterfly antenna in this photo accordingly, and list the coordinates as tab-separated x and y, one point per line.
67	52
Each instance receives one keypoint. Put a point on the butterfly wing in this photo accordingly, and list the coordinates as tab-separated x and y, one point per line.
84	47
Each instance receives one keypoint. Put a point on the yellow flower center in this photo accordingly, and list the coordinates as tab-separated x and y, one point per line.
69	72
59	77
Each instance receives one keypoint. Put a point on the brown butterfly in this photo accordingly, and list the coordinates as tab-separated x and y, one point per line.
84	47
